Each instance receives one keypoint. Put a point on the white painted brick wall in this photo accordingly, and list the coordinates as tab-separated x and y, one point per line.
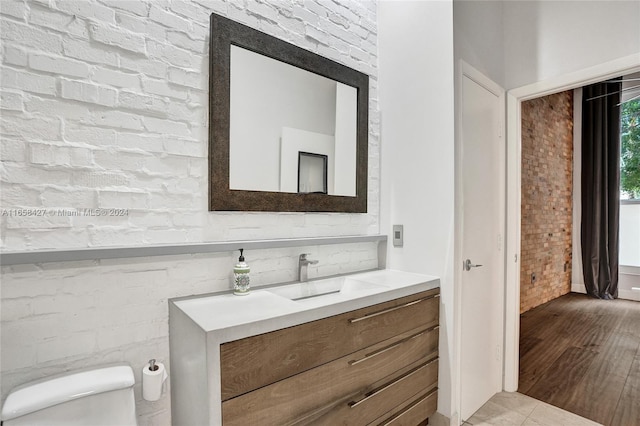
104	103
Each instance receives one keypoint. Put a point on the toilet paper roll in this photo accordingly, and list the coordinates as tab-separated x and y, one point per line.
153	381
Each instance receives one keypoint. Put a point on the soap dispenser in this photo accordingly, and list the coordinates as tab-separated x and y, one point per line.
241	279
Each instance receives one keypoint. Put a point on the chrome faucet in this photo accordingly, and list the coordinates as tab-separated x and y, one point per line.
303	266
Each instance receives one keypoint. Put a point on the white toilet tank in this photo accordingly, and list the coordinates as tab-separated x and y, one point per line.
98	397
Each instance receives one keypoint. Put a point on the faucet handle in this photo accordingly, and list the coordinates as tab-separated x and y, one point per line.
303	256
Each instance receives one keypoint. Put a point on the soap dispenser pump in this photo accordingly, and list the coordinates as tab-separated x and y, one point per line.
241	278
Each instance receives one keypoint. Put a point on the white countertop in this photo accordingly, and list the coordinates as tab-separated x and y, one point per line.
232	317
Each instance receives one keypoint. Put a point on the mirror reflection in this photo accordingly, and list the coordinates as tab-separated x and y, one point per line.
277	112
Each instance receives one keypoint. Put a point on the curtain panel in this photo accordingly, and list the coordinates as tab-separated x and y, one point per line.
601	188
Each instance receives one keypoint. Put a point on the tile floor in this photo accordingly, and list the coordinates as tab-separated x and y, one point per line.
516	409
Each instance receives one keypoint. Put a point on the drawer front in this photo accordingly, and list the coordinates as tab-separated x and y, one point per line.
257	361
308	395
367	407
413	413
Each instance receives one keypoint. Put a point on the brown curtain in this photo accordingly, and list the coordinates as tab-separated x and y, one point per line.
600	188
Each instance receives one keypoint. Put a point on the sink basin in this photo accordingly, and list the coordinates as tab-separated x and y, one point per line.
341	285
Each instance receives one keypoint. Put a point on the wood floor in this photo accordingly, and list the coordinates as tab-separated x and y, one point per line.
583	355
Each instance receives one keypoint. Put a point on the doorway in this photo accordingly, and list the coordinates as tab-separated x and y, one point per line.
515	98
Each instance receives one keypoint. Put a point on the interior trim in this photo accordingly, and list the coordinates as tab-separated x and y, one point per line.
95	253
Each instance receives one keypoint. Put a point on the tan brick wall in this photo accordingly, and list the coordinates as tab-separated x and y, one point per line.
547	167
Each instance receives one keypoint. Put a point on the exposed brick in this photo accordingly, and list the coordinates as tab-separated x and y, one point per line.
87	9
189	10
22	174
150	29
63	109
163	88
157	125
147	104
168	19
99	179
148	67
133	133
125	200
12	150
82	50
11	101
134	6
146	142
74	198
116	78
547	198
14	8
184	41
116	37
47	221
58	65
28	82
15	56
187	78
88	92
170	54
30	128
49	154
58	21
25	35
263	10
89	134
117	119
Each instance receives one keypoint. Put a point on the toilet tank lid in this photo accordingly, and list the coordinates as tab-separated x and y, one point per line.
41	394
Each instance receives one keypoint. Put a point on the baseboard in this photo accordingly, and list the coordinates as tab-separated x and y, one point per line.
629	295
622	294
578	288
438	419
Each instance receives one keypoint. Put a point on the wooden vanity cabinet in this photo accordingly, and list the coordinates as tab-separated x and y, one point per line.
372	366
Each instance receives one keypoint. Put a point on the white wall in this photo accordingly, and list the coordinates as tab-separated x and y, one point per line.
346	134
545	39
104	104
416	103
478	36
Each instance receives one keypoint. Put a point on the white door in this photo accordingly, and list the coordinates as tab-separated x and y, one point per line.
482	162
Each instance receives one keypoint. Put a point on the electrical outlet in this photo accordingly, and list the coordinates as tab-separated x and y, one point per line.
533	278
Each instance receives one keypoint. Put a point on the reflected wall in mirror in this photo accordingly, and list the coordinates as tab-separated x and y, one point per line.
270	101
278	110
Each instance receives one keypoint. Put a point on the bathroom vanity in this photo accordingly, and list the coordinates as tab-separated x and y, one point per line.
355	350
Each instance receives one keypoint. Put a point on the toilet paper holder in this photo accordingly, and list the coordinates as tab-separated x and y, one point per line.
154	375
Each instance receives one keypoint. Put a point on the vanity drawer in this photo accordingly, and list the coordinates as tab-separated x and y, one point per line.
306	396
257	361
367	407
413	412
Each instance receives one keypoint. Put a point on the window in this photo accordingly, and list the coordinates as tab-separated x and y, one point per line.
630	150
630	183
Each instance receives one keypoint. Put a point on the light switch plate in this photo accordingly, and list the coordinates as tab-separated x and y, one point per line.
398	235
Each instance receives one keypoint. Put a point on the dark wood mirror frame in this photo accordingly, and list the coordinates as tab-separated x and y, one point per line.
224	33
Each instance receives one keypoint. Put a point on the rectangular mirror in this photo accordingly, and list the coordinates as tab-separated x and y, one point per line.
270	103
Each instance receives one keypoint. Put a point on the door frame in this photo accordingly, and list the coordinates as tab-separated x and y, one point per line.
466	70
515	97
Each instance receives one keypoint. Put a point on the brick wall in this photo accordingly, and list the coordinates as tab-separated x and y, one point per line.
547	157
104	104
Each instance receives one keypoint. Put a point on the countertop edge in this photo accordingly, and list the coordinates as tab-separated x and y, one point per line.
225	334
